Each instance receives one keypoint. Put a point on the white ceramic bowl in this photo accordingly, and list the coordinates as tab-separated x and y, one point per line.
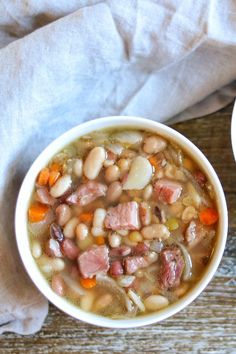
26	192
233	130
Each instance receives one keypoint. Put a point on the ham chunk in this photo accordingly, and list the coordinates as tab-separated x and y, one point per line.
140	249
197	233
116	269
121	251
132	264
93	261
86	193
167	191
123	217
172	266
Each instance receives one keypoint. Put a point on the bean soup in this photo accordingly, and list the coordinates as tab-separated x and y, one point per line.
122	222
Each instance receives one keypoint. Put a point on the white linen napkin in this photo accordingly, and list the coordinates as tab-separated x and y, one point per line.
167	60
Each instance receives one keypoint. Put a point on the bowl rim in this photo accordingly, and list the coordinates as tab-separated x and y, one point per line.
233	130
21	220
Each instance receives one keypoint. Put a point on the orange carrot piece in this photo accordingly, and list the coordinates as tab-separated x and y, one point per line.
153	161
37	212
86	217
99	240
88	283
43	177
53	177
56	167
188	164
208	216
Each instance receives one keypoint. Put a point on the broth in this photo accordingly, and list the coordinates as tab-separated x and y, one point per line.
122	222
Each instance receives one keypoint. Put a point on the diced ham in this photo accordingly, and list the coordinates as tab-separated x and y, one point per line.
167	191
123	217
140	249
116	269
86	193
94	261
69	249
172	266
44	197
196	232
132	264
121	251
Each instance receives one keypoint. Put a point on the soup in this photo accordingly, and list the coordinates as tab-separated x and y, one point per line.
122	222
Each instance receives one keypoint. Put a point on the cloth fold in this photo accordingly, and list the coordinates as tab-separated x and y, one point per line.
63	63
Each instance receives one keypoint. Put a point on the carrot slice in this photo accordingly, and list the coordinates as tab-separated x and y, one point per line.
55	167
37	212
43	177
88	283
86	217
153	161
208	216
53	177
188	164
99	240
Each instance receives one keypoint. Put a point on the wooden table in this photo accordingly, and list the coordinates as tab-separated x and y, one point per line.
208	325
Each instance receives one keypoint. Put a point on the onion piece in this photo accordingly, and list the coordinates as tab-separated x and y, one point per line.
125	280
187	260
39	228
73	285
136	299
101	279
115	148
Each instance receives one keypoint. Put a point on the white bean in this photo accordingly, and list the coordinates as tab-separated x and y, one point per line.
152	257
86	301
97	231
49	265
114	240
147	192
36	249
155	302
188	214
154	144
194	196
58	264
112	173
159	231
99	217
140	174
94	162
61	186
81	231
124	165
69	229
58	284
78	167
114	191
63	213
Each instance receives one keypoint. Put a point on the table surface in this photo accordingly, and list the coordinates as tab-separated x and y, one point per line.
208	325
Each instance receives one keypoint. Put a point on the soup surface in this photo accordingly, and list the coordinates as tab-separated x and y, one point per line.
122	222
